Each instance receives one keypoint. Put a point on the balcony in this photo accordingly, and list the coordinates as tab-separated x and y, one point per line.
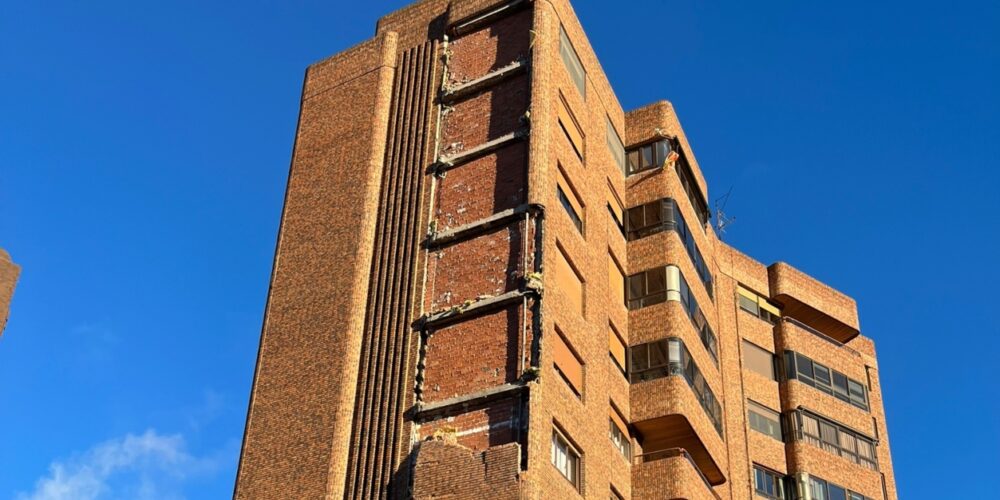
666	414
669	474
813	303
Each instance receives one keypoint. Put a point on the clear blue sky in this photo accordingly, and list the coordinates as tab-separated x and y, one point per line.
143	156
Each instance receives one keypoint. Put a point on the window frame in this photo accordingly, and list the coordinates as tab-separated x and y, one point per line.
573	456
571	60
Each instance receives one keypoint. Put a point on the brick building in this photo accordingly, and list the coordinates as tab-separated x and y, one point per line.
8	279
491	281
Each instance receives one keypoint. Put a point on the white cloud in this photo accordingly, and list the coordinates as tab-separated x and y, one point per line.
143	466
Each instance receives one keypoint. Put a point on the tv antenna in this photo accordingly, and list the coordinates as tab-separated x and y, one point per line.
722	221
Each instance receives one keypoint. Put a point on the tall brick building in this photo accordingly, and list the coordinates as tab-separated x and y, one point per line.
491	281
8	279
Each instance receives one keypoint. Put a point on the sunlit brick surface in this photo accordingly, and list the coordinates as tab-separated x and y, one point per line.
425	264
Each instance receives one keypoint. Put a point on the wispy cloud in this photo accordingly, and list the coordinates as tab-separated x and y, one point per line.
145	466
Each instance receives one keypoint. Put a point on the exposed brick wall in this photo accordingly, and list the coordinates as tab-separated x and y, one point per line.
449	471
470	356
499	446
491	184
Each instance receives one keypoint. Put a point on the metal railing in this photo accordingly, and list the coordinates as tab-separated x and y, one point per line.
674	453
820	334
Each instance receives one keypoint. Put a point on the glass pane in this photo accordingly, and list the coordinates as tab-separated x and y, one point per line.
837	493
636	218
637	286
805	367
657	354
662	147
640	357
656	280
822	374
646	157
654	213
633	161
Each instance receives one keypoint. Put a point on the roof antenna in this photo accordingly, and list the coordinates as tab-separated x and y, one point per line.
721	220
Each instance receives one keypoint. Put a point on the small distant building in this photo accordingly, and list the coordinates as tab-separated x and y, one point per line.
8	278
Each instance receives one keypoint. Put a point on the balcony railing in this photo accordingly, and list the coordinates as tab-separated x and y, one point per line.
674	453
839	344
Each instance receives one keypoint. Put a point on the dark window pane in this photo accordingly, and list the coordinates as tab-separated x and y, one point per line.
639	357
633	161
837	493
805	367
646	157
656	280
658	354
662	147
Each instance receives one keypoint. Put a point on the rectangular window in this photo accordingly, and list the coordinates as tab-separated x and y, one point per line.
768	484
834	438
616	209
616	281
616	347
809	372
758	360
764	420
618	433
649	156
570	200
647	288
568	280
757	305
572	62
820	489
565	458
615	145
571	127
568	363
668	357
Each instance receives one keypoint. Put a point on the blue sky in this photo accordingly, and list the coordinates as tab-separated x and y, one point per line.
143	156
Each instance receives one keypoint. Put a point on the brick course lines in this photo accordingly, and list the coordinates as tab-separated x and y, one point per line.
415	300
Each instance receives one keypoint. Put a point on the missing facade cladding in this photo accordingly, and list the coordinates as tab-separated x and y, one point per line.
491	281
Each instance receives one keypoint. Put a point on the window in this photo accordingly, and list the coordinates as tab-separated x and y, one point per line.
565	458
567	363
615	145
572	63
570	200
663	358
650	156
616	209
757	305
616	280
823	378
647	288
764	420
768	483
686	176
758	360
661	284
569	281
820	489
616	347
663	215
619	434
571	127
834	438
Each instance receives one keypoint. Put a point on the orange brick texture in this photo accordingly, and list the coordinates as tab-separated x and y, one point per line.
8	279
410	339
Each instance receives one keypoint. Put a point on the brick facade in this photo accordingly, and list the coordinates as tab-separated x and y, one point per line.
447	289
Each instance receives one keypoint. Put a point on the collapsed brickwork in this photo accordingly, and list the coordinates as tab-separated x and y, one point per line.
453	310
